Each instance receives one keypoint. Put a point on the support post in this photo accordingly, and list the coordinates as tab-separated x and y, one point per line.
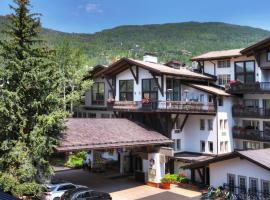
160	87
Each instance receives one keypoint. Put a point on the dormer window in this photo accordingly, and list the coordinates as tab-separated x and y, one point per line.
224	64
268	56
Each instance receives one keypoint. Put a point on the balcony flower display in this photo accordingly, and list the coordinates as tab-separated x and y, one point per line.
233	82
146	100
110	101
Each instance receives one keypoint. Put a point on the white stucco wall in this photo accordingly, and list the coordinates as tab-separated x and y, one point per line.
238	167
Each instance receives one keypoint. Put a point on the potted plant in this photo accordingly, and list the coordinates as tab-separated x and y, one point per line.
166	182
146	103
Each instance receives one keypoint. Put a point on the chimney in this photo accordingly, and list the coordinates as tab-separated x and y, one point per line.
150	57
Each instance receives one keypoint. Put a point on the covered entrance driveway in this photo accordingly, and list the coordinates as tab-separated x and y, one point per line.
135	148
124	188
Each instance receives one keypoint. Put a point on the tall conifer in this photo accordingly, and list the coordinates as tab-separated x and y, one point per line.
30	104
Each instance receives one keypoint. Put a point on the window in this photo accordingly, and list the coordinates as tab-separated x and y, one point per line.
201	97
220	101
268	56
177	145
251	103
210	98
245	71
248	145
223	124
253	185
231	181
202	124
224	64
91	115
98	91
173	88
149	89
226	146
202	146
242	184
210	147
265	188
126	90
105	115
210	124
224	79
66	187
221	146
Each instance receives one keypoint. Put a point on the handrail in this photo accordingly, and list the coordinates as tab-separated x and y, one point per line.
249	134
256	87
244	111
164	106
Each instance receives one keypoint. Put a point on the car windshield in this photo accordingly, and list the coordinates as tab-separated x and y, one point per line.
51	188
67	194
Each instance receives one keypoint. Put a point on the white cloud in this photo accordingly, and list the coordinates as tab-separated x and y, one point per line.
92	8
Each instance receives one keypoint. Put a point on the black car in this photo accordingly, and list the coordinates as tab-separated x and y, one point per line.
85	194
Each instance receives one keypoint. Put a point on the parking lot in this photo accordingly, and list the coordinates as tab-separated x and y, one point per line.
123	188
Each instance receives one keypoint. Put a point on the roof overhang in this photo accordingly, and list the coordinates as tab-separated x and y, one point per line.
259	46
210	89
93	134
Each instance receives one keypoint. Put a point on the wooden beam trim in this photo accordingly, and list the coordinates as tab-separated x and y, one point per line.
135	76
160	87
184	122
110	85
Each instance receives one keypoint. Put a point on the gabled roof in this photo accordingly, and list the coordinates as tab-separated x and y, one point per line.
86	134
210	89
96	69
259	157
155	68
257	46
214	55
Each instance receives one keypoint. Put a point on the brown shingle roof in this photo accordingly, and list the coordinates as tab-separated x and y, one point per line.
212	55
156	68
85	134
210	89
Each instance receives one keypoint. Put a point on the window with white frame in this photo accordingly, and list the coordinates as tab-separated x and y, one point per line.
226	146
253	185
242	184
265	187
210	124
202	124
268	56
223	79
210	147
224	64
202	146
223	124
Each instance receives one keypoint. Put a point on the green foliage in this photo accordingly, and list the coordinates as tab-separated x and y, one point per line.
30	101
166	179
76	160
169	41
74	65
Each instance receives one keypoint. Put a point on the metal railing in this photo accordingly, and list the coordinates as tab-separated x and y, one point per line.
242	111
258	87
250	134
247	193
166	106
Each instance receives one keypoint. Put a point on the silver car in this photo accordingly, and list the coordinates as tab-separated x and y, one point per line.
55	191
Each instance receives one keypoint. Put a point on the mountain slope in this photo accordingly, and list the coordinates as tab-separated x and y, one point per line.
169	41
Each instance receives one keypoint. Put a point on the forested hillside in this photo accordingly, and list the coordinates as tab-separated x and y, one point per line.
170	41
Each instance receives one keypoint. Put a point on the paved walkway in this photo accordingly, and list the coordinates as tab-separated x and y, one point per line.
124	188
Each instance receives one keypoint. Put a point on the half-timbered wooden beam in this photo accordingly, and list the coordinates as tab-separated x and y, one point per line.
184	122
200	174
174	120
110	85
135	74
160	86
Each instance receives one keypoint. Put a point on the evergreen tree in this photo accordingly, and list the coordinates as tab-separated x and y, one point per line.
31	115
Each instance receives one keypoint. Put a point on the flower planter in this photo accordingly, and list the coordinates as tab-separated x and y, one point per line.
166	186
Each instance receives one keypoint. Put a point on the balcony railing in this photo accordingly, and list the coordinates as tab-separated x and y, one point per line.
250	134
250	112
258	87
163	106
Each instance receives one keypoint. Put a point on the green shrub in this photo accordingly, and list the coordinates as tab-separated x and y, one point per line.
181	178
76	160
174	177
166	179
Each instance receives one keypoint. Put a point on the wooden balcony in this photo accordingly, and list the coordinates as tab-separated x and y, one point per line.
250	112
253	88
249	134
187	107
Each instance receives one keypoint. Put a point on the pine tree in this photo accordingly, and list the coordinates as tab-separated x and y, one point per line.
31	115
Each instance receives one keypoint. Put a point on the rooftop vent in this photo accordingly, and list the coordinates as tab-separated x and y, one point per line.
150	57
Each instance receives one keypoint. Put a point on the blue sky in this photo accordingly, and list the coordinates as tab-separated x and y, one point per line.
90	16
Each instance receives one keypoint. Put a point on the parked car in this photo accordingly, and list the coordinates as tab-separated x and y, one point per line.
54	191
85	194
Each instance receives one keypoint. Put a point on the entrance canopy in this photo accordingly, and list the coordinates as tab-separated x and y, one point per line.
91	134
